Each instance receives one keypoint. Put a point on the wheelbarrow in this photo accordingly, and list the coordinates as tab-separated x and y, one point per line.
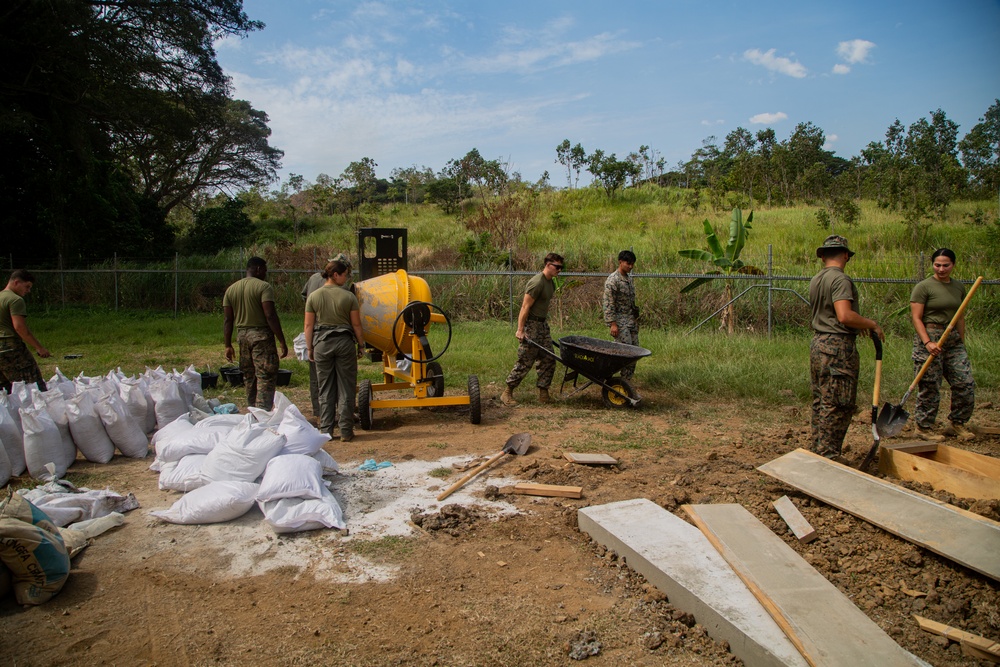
597	361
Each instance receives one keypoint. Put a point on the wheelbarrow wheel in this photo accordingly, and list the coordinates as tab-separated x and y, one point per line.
475	405
613	400
436	374
365	404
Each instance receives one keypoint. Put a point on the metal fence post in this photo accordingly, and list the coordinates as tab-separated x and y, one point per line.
176	287
510	284
115	266
770	288
62	281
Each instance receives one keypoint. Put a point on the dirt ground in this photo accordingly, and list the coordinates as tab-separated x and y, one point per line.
487	579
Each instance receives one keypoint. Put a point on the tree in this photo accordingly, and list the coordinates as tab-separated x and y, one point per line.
981	151
219	227
573	158
611	172
727	259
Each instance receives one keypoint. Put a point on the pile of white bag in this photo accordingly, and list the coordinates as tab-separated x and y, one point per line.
224	464
42	431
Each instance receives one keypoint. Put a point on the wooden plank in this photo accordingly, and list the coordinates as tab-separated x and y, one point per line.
918	447
675	557
796	522
930	469
548	490
590	459
826	627
988	466
964	537
975	652
980	644
986	430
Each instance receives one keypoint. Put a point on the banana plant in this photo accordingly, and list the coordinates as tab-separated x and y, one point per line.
726	259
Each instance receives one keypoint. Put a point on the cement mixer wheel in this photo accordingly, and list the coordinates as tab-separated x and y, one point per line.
365	404
436	374
475	405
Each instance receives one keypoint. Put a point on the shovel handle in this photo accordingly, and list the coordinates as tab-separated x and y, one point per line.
944	336
878	370
454	487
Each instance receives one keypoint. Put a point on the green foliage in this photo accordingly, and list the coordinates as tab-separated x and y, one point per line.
728	258
219	227
610	172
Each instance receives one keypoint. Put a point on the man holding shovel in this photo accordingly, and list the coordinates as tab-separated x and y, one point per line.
833	356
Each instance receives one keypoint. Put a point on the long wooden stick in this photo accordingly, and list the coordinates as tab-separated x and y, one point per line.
454	487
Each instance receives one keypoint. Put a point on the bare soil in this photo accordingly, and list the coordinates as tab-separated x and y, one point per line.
486	578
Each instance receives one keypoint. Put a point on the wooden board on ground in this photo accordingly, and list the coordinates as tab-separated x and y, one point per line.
952	469
590	459
918	447
823	623
987	430
548	490
793	517
964	537
975	645
675	557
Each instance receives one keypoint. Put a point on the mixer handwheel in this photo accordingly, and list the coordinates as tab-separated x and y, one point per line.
417	316
475	405
365	404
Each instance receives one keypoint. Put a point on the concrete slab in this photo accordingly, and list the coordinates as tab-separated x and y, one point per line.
676	557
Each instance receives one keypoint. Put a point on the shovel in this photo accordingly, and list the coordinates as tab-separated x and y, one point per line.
516	445
893	418
878	385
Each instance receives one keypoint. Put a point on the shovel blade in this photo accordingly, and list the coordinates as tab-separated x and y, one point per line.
891	420
517	444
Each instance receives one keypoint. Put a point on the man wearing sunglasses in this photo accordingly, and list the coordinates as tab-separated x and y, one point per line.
532	325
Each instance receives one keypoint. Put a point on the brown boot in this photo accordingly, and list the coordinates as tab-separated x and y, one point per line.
543	395
507	397
928	434
962	432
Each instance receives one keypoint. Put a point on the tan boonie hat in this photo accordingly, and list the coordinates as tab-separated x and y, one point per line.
834	242
340	257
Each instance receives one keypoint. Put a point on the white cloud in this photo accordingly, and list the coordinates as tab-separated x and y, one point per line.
717	121
855	51
551	54
831	139
841	68
767	118
774	63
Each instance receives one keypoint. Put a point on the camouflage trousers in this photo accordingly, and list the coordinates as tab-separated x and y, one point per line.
259	364
17	364
629	335
951	365
833	370
528	354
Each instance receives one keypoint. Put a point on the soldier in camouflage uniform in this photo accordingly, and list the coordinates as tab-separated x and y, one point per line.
933	303
16	362
249	306
532	324
833	357
618	304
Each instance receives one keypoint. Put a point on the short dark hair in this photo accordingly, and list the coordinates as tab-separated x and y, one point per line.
553	258
944	252
626	256
23	275
256	262
334	267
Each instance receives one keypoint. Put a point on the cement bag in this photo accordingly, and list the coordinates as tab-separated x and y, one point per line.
212	503
216	421
54	402
277	413
191	378
301	437
4	467
12	437
43	444
167	401
87	428
122	429
135	402
184	475
194	441
330	466
292	476
33	550
243	454
64	507
59	381
176	428
5	582
293	515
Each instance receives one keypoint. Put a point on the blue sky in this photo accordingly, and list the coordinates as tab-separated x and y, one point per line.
425	81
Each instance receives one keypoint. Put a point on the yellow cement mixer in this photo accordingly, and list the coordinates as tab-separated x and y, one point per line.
396	316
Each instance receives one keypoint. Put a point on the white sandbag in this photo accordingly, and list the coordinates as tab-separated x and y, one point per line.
4	467
216	421
176	428
212	503
12	437
91	528
167	401
184	475
55	404
192	441
59	381
277	412
301	437
64	506
330	466
292	476
122	429
299	347
87	429
135	402
293	515
243	454
192	378
43	444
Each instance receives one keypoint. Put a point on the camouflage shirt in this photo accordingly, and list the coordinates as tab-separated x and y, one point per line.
618	301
